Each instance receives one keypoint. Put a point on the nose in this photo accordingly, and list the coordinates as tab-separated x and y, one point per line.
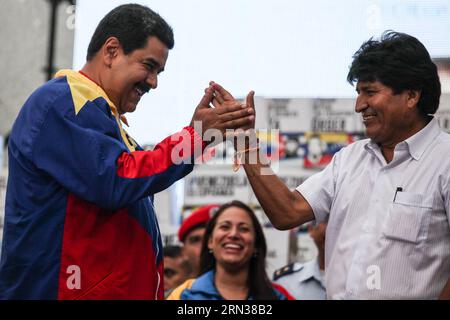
233	233
152	80
361	104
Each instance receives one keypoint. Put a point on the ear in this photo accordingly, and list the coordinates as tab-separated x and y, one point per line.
210	243
110	50
413	98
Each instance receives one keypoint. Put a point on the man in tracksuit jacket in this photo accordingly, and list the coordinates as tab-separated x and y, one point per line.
79	218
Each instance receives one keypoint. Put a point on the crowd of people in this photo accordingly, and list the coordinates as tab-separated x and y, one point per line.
80	221
232	260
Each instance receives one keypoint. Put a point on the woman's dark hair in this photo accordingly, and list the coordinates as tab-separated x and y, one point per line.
131	24
400	62
260	287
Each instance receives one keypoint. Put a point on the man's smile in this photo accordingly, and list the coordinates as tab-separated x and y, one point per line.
141	88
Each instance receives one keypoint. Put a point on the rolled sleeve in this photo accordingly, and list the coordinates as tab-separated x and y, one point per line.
319	190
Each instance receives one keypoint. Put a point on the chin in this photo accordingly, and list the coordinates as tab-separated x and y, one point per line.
371	134
235	264
127	109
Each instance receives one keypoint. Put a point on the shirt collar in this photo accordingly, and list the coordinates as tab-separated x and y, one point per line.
310	270
418	142
421	140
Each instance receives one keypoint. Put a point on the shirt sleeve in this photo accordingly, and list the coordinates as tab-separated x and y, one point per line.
319	189
84	153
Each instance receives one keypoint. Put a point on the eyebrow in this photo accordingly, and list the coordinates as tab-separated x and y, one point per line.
239	224
364	87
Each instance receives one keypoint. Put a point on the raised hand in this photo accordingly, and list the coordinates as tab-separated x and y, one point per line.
222	98
229	114
243	138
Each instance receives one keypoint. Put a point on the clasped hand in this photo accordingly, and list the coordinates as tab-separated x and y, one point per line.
226	115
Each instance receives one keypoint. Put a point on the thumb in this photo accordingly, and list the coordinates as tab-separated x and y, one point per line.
207	98
249	101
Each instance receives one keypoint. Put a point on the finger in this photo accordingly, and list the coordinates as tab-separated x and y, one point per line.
250	101
229	116
216	103
224	93
228	107
238	123
207	98
219	97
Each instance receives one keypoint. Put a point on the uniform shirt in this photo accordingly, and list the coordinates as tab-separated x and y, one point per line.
80	222
382	243
303	281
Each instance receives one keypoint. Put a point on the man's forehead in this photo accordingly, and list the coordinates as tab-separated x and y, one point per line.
155	47
196	231
195	235
367	84
154	53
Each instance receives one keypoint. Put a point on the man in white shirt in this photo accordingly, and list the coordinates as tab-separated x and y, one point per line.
387	198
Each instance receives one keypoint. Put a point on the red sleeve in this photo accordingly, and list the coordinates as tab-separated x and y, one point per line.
182	146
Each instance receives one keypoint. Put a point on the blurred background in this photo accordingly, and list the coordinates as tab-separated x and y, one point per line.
294	54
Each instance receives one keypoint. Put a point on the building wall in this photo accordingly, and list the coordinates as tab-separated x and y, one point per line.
24	34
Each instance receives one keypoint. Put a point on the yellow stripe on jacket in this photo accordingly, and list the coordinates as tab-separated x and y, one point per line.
176	293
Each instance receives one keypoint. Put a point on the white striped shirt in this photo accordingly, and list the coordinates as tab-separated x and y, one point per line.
378	248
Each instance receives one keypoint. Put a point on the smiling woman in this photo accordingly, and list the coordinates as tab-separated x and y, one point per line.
232	261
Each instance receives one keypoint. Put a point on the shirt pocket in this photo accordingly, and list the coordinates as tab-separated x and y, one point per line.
409	217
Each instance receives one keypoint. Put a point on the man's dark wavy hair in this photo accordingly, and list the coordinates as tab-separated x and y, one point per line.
400	62
131	24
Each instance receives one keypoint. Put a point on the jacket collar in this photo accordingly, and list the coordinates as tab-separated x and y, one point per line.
93	86
205	284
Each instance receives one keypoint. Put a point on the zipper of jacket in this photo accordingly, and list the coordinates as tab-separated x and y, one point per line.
157	250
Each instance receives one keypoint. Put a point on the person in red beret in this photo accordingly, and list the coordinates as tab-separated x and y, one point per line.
191	233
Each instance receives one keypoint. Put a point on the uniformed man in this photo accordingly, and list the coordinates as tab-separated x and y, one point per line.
306	281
